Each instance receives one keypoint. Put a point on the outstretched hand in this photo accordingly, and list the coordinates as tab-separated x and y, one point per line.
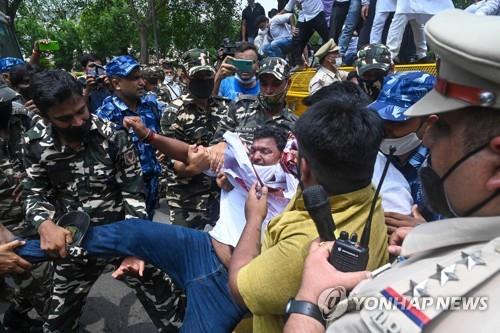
135	123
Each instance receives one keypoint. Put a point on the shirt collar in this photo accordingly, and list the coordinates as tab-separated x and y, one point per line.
339	202
120	104
52	137
456	231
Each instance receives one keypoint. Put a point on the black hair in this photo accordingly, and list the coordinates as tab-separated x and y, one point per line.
272	13
351	75
341	90
89	57
278	134
167	65
53	87
340	139
260	19
18	73
245	46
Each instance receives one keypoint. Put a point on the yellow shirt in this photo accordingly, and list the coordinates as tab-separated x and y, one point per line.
272	278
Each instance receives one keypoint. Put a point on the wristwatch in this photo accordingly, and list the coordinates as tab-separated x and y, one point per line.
304	308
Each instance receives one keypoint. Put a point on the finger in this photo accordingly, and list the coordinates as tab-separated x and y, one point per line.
117	274
141	268
394	250
263	192
68	238
352	279
397	223
416	213
12	245
391	229
395	215
17	269
20	262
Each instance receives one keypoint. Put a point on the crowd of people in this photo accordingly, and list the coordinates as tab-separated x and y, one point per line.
220	144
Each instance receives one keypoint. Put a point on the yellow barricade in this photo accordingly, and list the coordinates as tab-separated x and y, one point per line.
300	83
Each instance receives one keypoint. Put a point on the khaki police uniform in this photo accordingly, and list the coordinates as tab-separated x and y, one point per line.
451	258
325	77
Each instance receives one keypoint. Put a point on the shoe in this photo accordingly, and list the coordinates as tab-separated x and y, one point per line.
77	223
426	60
16	322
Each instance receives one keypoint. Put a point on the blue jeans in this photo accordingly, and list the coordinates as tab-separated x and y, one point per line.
278	48
186	255
350	23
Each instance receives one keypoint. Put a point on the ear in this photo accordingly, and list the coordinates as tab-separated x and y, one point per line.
305	171
115	83
493	183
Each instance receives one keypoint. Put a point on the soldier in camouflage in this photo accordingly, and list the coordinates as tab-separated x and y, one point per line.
193	197
269	108
373	64
79	162
29	291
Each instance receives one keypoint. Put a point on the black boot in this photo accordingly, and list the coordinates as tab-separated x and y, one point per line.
16	322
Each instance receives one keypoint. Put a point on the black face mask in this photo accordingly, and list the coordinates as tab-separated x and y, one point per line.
434	193
201	88
371	87
75	133
5	113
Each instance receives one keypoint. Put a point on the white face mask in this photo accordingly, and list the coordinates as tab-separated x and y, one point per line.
169	78
338	62
251	80
403	145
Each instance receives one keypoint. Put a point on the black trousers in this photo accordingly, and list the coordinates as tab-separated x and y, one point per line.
337	19
306	29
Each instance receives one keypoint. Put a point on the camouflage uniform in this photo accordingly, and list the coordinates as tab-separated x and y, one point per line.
103	179
193	201
245	116
30	289
372	56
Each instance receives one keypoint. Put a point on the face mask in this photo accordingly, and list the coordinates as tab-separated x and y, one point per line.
201	88
435	195
238	78
338	62
371	87
403	145
5	113
169	78
272	101
77	133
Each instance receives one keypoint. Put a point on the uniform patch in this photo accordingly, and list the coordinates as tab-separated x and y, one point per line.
130	158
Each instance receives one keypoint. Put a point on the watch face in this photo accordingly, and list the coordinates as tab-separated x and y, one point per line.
288	306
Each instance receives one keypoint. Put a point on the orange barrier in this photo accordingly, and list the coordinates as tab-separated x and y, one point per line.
300	83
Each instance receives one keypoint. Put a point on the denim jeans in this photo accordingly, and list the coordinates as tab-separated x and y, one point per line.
350	23
186	255
278	48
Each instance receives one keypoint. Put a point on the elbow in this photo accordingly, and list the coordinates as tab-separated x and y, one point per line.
233	287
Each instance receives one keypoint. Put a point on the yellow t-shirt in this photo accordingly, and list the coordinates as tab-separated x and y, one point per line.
272	278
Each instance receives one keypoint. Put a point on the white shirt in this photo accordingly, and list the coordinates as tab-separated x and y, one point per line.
280	26
395	191
386	6
310	8
430	7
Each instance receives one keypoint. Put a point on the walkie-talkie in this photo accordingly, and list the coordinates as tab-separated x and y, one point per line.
347	254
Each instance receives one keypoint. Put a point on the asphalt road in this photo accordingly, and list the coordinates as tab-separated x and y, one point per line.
112	307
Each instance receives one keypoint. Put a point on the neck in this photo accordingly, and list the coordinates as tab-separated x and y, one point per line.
330	67
130	102
249	84
202	103
75	145
275	110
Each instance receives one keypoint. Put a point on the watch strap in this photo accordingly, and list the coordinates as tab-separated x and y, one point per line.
305	308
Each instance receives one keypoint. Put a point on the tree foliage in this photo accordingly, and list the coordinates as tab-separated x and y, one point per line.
111	27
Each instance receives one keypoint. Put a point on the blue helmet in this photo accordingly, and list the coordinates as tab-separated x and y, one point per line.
400	91
121	66
6	63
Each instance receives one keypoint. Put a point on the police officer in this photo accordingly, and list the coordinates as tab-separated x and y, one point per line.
269	108
192	196
372	65
79	162
329	57
458	257
131	99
